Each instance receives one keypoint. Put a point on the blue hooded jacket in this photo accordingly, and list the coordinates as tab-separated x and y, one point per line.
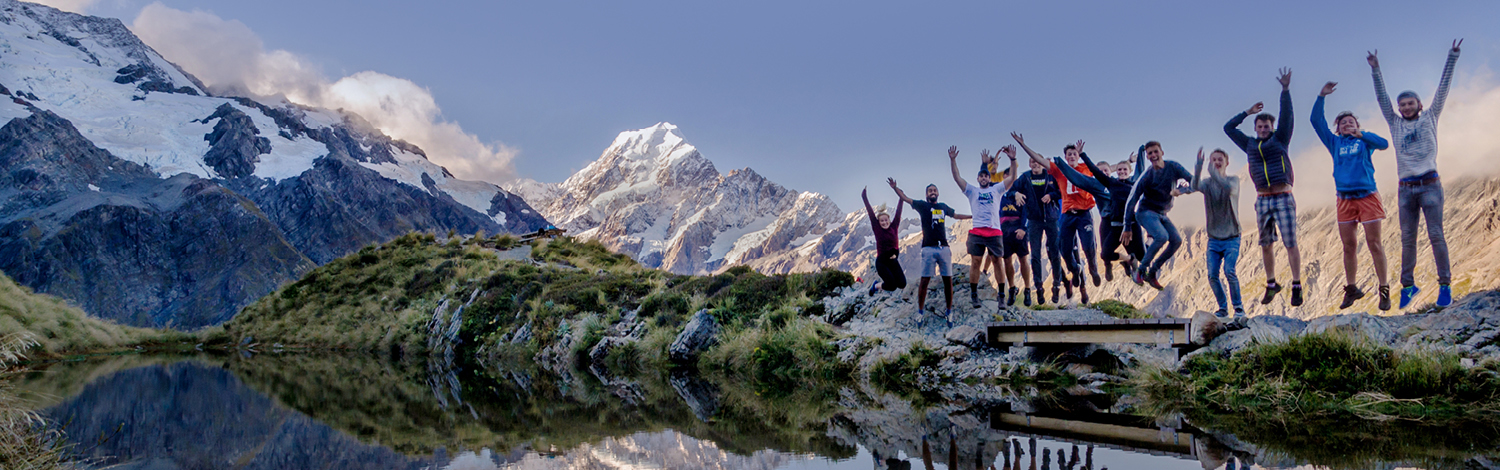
1353	170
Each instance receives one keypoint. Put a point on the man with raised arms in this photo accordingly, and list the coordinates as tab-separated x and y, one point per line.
1359	204
1221	199
1148	205
1076	224
1420	194
984	203
935	253
1271	171
1041	196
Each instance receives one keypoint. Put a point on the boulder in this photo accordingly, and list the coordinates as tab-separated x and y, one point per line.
1274	328
701	396
1205	327
604	346
1373	328
965	335
700	333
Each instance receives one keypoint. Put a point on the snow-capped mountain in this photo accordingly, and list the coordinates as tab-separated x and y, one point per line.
127	188
653	196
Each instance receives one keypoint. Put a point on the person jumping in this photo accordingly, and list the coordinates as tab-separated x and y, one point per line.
1271	171
1221	200
887	246
935	253
1420	194
1148	204
1359	204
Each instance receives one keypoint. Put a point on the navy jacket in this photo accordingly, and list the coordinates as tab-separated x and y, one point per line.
1153	190
1113	209
1270	164
1035	186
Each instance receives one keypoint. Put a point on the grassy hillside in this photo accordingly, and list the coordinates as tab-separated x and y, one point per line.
59	328
564	292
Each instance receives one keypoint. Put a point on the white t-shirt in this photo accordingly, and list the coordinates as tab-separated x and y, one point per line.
985	203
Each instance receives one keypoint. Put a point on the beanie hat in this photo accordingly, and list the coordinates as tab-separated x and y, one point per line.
1408	94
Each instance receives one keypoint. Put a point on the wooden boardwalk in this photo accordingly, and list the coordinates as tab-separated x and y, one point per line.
1171	332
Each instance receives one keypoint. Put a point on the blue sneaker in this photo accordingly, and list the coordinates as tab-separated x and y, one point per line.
1407	293
1445	296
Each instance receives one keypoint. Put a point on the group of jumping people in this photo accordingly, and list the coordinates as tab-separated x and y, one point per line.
1017	215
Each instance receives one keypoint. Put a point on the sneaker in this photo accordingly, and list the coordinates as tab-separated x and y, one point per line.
1000	300
1012	299
1109	273
1083	294
1068	287
874	286
1026	297
1239	313
974	296
1151	279
1296	294
1445	295
1272	288
1129	268
1095	277
1136	278
1385	297
1078	280
1351	294
1055	299
1407	294
1222	313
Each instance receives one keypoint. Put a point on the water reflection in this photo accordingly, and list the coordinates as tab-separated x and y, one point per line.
356	412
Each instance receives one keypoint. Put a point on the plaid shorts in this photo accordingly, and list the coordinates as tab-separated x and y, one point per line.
1276	210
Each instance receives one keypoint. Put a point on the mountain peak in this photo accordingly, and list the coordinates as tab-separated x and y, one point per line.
660	143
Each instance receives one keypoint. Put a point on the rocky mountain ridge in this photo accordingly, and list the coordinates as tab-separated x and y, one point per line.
127	189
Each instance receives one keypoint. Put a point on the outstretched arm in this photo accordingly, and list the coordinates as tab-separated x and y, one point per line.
1140	162
1380	94
1034	156
1197	173
1284	128
953	162
1098	175
1082	181
1010	151
899	193
1320	120
863	195
1232	128
1442	91
1374	141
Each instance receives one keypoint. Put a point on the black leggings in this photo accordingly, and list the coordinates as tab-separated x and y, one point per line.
1110	238
891	275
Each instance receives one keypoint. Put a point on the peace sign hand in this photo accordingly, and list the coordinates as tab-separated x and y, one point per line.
1456	43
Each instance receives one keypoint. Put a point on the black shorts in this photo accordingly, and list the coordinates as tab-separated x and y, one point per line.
977	244
1016	246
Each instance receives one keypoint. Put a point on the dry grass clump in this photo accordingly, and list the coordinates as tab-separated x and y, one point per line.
26	440
57	328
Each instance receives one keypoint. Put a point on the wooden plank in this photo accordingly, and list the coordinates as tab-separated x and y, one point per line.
1124	437
1174	336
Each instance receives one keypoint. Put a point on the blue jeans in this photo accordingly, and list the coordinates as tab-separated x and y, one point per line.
1034	231
1227	253
1162	232
1418	202
1077	228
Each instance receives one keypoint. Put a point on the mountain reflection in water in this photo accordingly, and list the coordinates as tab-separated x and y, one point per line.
300	411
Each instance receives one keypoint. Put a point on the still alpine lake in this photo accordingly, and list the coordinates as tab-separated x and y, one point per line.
319	411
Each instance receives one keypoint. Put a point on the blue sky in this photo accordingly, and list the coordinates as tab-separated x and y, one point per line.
831	96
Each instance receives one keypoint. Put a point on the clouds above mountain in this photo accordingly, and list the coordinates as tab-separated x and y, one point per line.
231	59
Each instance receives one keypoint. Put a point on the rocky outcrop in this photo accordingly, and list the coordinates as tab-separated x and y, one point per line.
697	336
234	145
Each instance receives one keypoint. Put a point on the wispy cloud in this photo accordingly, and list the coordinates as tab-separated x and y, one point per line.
231	59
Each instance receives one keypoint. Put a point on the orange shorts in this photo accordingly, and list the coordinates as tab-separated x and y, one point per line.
1363	210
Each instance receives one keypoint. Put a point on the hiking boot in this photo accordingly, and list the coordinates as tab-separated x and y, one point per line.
1385	297
1445	295
1083	294
1272	288
1151	279
1055	299
1407	294
1095	276
1296	294
1351	294
1012	299
1109	273
974	295
1026	297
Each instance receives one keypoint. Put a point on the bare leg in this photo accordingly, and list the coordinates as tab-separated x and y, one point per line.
1377	250
994	262
1351	244
948	290
922	293
1025	270
977	263
1294	258
1268	259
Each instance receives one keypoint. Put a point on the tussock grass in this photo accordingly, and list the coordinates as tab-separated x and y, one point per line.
1326	374
777	352
1118	309
57	328
27	442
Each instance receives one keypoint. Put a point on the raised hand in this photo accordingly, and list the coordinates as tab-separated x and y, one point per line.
1285	78
1259	105
1200	156
1456	43
1375	61
1010	151
1019	139
892	181
984	156
1132	157
952	152
1079	145
1328	88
